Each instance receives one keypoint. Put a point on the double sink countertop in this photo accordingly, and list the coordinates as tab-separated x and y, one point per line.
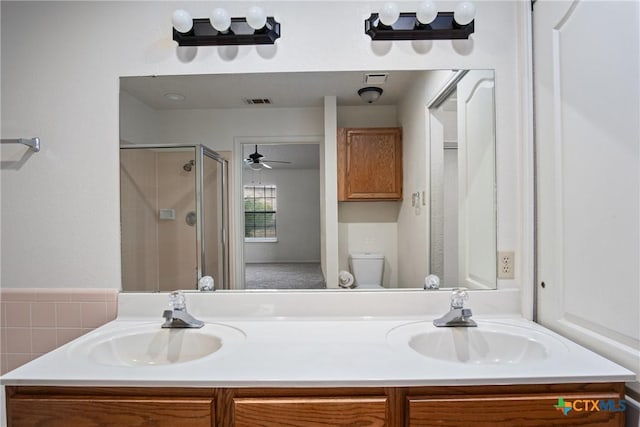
292	340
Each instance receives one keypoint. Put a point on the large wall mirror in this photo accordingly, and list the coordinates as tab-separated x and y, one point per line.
445	224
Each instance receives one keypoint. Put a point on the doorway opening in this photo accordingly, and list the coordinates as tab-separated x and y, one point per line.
280	215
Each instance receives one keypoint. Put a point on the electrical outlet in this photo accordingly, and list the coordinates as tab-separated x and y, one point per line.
506	265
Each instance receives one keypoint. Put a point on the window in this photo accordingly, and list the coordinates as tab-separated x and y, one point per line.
260	213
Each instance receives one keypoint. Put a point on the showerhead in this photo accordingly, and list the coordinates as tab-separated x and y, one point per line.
189	165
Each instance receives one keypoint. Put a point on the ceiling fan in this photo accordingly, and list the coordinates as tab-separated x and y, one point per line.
254	162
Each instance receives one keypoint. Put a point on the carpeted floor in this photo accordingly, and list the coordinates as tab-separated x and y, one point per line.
284	276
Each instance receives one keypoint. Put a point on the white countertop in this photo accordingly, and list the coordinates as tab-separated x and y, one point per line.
312	351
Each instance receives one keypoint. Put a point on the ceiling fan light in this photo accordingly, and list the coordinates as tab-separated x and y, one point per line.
256	166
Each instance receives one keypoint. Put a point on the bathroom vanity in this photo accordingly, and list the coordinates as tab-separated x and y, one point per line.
268	364
362	406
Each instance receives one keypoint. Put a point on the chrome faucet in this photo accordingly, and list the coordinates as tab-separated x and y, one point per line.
457	315
177	316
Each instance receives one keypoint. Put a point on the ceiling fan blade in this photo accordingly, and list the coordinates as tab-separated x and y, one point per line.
266	165
276	161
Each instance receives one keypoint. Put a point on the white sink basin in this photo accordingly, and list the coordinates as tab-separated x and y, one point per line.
489	343
150	345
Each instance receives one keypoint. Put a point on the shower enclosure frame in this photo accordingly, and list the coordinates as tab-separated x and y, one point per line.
200	151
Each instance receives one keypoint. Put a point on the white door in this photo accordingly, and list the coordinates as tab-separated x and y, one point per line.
476	178
586	60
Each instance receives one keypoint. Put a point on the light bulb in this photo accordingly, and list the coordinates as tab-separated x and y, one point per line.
389	13
426	12
464	12
220	19
256	17
182	21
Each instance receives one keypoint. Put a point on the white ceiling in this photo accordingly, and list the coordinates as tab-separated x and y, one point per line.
285	90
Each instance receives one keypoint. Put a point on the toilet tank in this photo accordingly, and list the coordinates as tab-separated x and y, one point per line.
367	268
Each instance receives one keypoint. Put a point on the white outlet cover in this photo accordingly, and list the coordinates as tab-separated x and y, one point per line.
505	265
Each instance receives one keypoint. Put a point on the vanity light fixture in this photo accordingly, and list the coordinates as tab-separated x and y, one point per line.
424	24
370	94
220	29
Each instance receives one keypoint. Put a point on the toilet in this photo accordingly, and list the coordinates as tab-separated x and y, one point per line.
367	269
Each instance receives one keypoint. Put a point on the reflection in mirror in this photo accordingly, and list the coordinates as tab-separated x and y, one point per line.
173	217
463	206
445	224
281	199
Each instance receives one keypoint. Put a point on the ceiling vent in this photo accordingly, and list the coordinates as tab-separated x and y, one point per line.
375	78
257	101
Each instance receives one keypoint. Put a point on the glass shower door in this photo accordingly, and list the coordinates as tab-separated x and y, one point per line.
214	254
173	213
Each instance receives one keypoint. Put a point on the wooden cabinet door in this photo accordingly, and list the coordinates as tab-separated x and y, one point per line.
370	164
510	410
98	411
310	412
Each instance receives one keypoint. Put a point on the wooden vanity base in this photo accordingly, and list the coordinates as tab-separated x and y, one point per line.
594	404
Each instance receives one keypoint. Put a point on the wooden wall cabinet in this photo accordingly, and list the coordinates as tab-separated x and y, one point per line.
508	405
369	164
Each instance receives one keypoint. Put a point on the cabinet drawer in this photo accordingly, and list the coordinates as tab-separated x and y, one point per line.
514	410
98	411
310	412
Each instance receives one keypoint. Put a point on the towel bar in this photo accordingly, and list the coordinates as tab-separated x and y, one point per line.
33	143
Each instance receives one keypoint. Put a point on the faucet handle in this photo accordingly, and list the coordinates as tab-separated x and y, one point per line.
458	298
206	284
432	282
177	301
